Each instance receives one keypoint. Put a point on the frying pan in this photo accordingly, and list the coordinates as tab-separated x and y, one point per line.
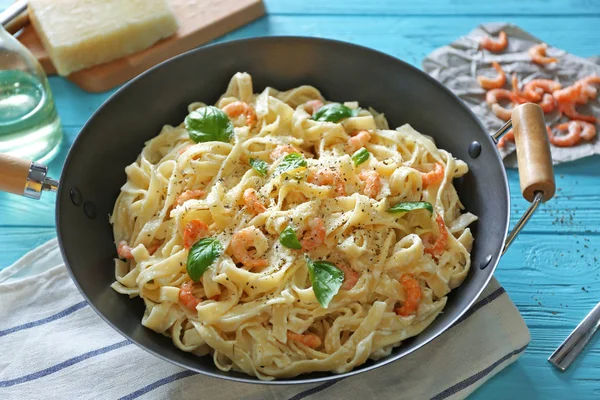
114	136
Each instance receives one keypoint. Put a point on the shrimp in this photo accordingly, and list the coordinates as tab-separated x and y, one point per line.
186	297
283	150
548	103
493	83
569	110
508	137
194	231
433	177
188	195
413	296
308	339
242	241
568	140
588	131
493	96
372	183
350	276
326	176
154	245
518	97
124	251
440	244
494	45
538	54
315	236
534	89
238	108
359	140
252	202
312	106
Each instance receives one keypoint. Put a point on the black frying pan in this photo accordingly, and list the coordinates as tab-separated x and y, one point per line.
112	139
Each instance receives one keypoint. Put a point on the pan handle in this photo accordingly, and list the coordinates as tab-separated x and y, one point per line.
534	159
24	177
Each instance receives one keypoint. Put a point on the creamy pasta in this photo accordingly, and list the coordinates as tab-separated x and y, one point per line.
283	234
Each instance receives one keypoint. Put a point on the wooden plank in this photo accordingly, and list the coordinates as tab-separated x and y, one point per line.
433	7
18	241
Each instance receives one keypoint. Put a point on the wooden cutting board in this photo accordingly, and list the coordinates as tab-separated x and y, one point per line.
200	21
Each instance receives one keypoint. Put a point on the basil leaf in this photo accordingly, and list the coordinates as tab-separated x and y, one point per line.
201	256
291	162
326	280
360	156
288	238
259	166
410	206
334	112
209	124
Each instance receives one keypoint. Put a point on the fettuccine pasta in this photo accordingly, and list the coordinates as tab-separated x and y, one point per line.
283	234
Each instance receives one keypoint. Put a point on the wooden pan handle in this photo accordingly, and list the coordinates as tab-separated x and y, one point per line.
533	152
13	174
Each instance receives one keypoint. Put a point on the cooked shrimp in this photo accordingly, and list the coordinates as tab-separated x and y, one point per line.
569	110
315	236
493	96
440	244
372	182
433	177
494	45
413	296
493	83
588	131
359	140
124	251
252	202
194	231
327	176
283	150
518	97
592	79
548	103
313	106
350	276
538	54
508	137
186	297
570	139
190	194
534	89
242	241
308	339
238	108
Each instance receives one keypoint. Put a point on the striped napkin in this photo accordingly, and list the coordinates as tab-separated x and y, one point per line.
54	346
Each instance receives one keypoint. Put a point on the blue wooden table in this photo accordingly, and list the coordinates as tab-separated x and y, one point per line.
552	272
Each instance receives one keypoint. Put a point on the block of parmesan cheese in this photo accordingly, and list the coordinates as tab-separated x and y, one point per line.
78	34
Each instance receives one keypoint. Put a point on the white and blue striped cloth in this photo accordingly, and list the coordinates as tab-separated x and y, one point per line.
54	346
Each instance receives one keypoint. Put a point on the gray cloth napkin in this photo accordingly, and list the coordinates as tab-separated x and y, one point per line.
54	346
458	64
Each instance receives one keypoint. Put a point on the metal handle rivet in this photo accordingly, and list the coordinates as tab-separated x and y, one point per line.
475	149
485	262
89	209
76	196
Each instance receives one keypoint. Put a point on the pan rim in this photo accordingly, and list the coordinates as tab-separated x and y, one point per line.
280	39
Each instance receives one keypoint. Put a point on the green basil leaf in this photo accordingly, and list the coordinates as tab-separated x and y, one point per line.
410	206
326	280
360	156
259	166
288	238
209	124
201	256
334	112
291	162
